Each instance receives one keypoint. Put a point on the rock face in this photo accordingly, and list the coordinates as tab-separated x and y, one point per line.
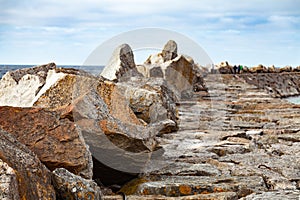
57	142
18	88
33	178
237	139
169	51
180	131
152	101
121	65
70	186
281	85
8	182
60	92
181	73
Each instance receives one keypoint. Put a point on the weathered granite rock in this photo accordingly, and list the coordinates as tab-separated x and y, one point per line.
180	71
274	195
296	69
121	65
71	186
286	69
151	100
225	69
18	88
42	86
191	185
8	183
212	196
278	85
62	87
273	69
33	178
258	69
57	142
117	104
117	147
169	51
183	75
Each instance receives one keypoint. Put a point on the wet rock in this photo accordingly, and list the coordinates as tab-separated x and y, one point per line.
121	65
71	186
8	182
57	142
33	178
169	51
18	88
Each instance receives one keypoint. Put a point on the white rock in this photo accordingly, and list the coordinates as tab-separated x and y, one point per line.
52	78
254	132
18	94
27	90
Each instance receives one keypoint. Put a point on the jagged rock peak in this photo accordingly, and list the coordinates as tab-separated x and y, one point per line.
121	64
169	51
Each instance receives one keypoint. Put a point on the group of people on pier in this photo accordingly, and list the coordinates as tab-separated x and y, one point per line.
237	69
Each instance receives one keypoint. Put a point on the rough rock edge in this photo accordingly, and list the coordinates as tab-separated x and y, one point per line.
71	186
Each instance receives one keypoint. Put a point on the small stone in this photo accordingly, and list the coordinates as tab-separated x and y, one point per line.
254	132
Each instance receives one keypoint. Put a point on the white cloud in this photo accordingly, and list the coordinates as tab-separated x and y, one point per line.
219	24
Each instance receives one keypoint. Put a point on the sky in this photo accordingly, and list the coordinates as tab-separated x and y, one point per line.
248	32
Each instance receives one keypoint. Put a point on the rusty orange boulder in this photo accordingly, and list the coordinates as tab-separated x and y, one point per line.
29	177
57	142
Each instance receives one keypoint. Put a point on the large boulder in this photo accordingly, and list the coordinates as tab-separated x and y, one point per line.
18	88
57	142
62	87
169	51
286	69
41	86
180	71
296	69
70	186
152	101
121	65
273	69
121	149
258	69
117	104
183	75
32	177
227	69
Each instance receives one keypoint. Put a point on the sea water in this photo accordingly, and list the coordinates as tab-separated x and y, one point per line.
295	100
94	70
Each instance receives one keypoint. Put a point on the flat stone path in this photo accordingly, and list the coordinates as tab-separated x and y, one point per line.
234	142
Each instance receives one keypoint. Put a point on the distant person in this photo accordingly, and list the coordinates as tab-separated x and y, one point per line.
240	68
234	69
